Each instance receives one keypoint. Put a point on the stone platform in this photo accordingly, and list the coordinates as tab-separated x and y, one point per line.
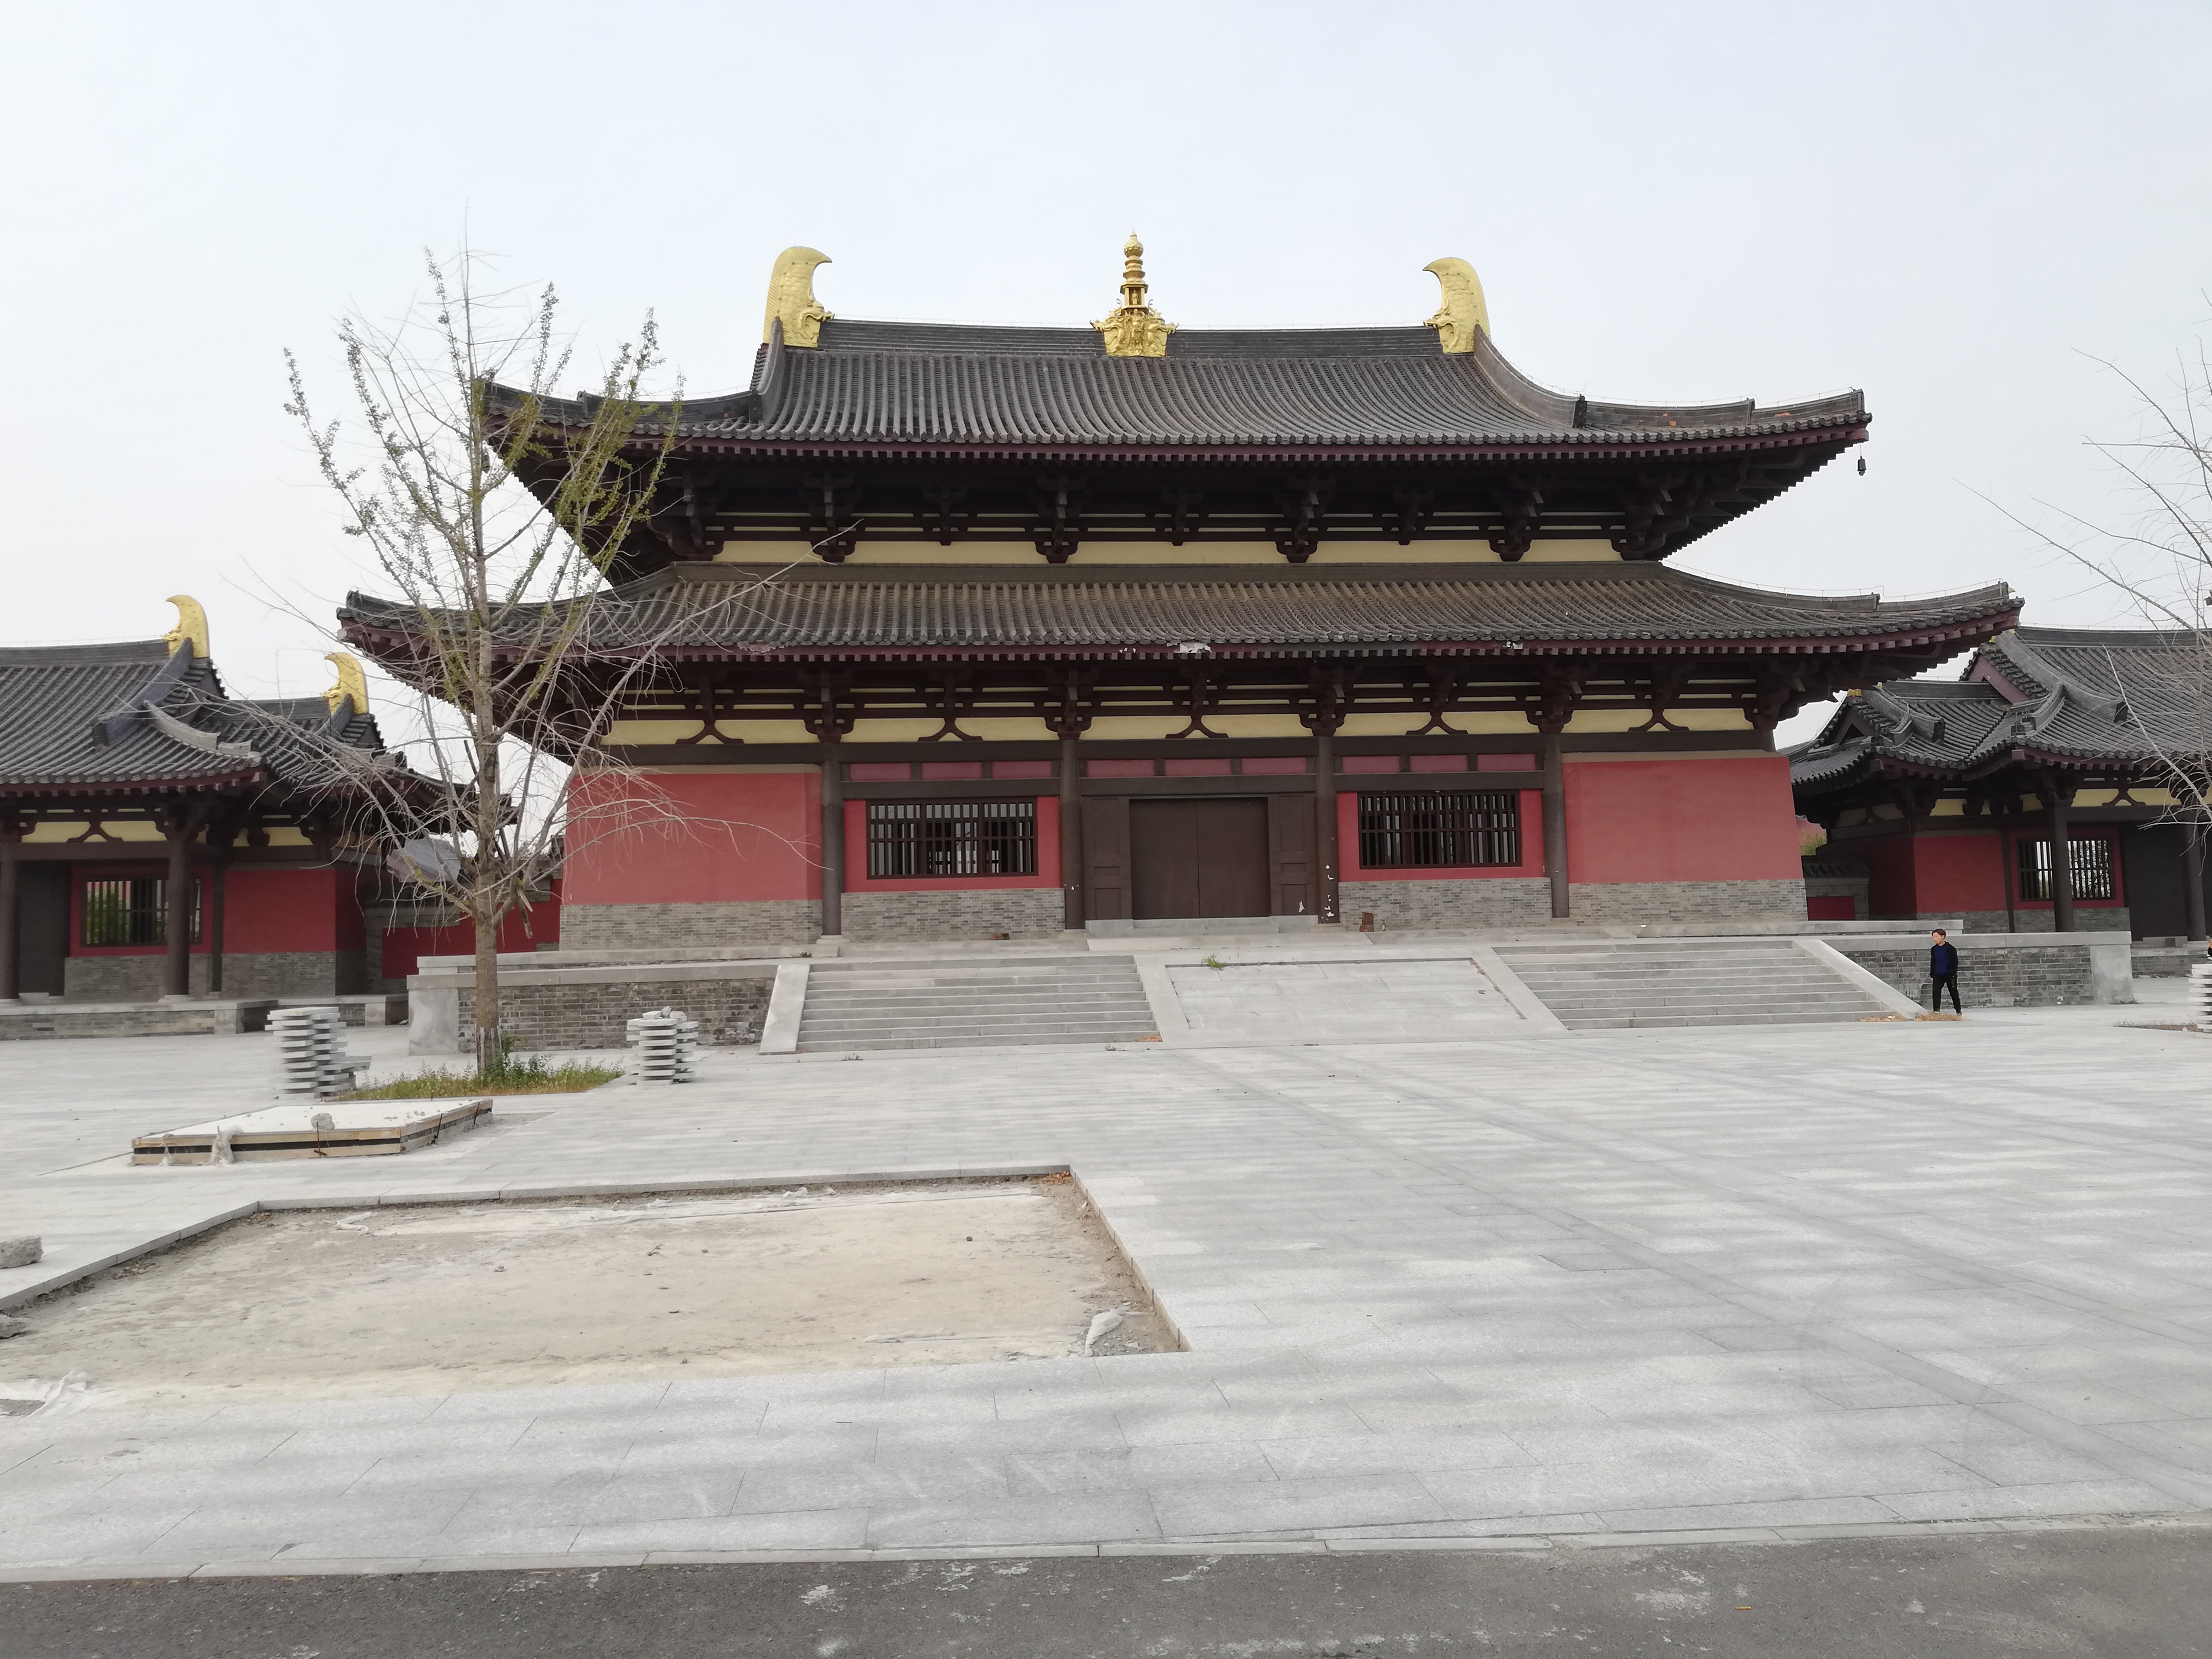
1630	1285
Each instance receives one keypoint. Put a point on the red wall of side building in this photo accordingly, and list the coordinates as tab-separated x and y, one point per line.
1682	820
266	909
1948	875
703	837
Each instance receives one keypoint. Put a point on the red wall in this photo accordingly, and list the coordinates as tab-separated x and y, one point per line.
264	908
856	858
1951	873
1892	889
701	836
1943	875
406	947
1682	820
1347	846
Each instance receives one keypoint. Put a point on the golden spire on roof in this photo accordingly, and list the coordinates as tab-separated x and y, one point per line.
352	686
1133	329
191	629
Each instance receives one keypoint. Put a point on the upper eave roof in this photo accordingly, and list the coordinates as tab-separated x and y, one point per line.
915	387
846	613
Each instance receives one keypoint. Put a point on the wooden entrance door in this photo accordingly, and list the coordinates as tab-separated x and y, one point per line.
1198	858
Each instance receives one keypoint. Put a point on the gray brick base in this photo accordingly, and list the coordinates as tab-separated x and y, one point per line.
257	973
745	925
1020	912
594	1015
2034	921
1483	902
1633	901
2031	976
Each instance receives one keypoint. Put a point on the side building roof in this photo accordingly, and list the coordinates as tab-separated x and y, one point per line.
2031	697
137	717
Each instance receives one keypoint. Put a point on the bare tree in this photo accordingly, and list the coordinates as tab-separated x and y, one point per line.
493	527
2158	557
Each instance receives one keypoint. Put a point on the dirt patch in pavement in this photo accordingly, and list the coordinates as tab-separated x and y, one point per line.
442	1297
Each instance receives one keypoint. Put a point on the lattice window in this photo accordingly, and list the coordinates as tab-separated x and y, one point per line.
1438	829
2090	857
951	838
132	910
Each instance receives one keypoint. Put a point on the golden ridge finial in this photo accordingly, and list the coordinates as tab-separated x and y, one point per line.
352	686
191	629
1133	329
1463	313
791	298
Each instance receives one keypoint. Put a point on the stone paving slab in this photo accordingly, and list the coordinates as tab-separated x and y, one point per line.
1619	1284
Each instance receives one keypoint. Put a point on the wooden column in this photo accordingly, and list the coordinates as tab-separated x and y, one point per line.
2057	798
11	916
1072	915
832	838
216	874
177	966
1325	888
2193	877
1555	822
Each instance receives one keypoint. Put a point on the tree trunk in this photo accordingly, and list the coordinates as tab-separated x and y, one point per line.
487	994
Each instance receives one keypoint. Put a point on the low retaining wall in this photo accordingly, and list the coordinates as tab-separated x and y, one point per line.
2005	970
590	1007
104	1019
60	1019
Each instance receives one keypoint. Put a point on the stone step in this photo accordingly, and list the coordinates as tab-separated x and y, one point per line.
988	1042
929	1005
859	1020
1633	987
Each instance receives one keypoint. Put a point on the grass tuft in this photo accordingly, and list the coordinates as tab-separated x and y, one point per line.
529	1076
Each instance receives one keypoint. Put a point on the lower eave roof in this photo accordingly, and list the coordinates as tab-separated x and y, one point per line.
881	613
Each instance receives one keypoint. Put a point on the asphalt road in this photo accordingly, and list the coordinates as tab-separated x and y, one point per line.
2140	1593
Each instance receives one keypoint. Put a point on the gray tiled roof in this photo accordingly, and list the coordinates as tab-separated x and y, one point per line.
2031	696
937	383
132	716
859	611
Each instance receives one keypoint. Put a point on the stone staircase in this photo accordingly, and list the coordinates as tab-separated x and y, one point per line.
1612	985
972	1005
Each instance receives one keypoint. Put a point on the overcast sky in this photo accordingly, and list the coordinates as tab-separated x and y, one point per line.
1956	207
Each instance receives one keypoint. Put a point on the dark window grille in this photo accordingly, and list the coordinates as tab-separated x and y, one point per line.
1434	830
951	838
2090	857
132	910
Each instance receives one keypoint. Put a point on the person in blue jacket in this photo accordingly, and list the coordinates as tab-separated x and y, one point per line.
1944	970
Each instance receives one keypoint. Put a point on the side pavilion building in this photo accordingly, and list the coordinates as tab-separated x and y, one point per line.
968	631
161	838
1950	796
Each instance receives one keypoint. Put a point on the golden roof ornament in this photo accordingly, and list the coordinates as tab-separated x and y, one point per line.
352	686
1463	314
791	298
1133	329
191	629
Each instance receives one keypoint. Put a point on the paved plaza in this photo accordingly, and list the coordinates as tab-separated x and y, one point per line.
1499	1292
